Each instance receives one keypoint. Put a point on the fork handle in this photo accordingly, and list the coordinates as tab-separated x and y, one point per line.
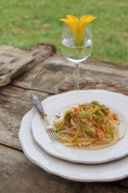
37	104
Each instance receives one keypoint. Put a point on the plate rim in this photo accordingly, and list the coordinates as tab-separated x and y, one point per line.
60	156
47	169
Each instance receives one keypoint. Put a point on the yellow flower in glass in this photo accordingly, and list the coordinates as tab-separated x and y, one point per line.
78	26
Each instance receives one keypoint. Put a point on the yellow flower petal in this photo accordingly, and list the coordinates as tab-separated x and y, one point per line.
71	17
71	22
86	17
77	26
85	20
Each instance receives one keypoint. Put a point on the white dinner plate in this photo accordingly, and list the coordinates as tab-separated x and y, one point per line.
59	103
77	172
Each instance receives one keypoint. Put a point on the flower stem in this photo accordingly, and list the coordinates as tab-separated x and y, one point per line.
77	76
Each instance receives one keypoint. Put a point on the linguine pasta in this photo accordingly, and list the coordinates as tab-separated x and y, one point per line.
88	124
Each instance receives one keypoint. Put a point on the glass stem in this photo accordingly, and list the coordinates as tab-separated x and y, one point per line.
77	76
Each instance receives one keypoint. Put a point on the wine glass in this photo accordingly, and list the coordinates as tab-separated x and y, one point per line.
74	53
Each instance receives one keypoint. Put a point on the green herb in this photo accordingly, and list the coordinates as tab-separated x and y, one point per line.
87	115
58	129
106	127
97	117
81	115
58	116
100	115
87	130
67	113
96	103
105	109
112	130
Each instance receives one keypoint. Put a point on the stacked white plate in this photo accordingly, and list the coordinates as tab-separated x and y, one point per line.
108	164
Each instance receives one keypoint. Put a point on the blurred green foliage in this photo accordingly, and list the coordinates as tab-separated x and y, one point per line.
24	23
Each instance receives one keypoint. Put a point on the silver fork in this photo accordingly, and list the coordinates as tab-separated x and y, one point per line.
49	129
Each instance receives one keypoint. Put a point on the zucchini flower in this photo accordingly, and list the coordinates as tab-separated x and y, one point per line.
78	26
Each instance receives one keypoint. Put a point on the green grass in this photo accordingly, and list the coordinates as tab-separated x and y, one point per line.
24	23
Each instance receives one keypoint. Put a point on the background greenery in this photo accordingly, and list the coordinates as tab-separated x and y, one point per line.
24	23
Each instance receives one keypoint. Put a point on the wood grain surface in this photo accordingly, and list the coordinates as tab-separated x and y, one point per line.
15	61
50	74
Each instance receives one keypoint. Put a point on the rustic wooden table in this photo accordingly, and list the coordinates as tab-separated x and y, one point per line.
17	173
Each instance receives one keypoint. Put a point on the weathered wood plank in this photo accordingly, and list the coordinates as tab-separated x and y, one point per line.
102	76
15	61
51	76
17	174
14	103
103	188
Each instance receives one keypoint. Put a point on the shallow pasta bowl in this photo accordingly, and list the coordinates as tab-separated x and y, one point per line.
59	103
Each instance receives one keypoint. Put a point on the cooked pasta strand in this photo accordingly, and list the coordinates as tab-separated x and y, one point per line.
89	124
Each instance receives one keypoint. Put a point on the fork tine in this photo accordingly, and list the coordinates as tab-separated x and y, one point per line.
53	132
50	135
55	135
53	138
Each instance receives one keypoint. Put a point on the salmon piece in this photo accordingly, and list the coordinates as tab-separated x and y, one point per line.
100	134
115	116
